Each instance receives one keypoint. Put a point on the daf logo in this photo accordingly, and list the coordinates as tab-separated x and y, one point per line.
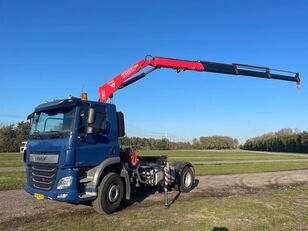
41	158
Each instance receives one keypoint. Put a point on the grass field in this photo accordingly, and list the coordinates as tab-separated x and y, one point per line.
275	209
12	180
228	155
271	210
11	160
206	163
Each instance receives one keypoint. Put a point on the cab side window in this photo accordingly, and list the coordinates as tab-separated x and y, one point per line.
100	125
83	119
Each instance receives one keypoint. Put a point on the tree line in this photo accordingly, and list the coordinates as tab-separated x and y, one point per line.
153	144
12	135
209	142
284	140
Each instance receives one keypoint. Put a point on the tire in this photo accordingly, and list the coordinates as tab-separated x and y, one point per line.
187	179
110	194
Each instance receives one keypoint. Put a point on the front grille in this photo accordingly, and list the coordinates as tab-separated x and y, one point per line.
42	176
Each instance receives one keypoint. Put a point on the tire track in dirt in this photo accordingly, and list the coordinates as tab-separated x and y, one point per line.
17	204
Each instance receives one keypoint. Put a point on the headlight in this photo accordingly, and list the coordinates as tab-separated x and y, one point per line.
65	182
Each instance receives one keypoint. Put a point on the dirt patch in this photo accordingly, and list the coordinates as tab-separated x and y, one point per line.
16	204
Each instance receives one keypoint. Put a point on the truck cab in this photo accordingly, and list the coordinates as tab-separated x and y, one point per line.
69	138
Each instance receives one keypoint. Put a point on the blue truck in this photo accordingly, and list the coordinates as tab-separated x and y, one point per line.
74	151
73	155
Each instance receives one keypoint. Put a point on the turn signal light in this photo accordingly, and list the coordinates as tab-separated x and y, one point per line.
84	96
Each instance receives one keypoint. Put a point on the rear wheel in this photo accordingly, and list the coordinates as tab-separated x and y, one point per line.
110	194
187	179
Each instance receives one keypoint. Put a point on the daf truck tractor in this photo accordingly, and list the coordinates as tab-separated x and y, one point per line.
74	153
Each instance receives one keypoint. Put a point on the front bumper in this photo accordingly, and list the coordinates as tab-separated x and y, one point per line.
72	194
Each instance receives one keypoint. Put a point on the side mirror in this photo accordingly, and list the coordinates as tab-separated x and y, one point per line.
121	126
30	118
91	116
90	120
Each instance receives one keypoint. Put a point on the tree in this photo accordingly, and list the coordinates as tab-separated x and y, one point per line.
22	131
8	138
12	135
196	143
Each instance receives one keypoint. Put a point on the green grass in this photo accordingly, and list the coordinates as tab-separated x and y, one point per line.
13	159
229	155
284	209
214	169
12	180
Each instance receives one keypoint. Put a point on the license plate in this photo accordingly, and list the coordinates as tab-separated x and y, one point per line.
39	196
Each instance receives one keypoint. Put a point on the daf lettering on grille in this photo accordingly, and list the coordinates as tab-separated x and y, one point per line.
41	158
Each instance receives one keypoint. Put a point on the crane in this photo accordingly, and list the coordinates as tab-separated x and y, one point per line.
129	76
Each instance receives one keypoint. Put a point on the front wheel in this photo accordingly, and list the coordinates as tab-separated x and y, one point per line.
110	194
187	179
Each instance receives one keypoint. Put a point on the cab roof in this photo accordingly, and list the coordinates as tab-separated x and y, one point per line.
69	102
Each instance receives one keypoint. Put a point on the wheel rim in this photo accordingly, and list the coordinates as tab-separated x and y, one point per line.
187	179
113	194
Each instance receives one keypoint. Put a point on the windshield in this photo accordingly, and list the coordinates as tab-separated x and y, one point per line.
52	123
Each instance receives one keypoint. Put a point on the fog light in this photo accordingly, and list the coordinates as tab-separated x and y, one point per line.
63	195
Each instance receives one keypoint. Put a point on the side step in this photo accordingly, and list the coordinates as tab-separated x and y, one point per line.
87	195
86	180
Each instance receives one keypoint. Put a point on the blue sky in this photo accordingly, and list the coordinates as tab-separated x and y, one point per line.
52	49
